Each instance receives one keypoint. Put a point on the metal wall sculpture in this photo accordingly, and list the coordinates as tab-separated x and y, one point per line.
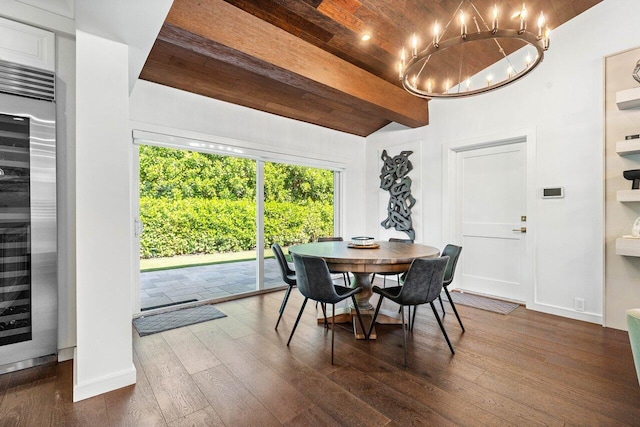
636	72
394	179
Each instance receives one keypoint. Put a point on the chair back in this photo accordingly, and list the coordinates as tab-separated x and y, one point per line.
633	322
287	272
453	252
395	239
423	283
314	279
330	239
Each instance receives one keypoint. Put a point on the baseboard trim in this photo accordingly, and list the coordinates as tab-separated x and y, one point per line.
104	384
565	312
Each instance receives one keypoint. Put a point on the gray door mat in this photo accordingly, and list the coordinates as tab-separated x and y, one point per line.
154	323
484	303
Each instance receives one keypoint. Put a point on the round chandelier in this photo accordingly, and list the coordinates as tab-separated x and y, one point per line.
501	55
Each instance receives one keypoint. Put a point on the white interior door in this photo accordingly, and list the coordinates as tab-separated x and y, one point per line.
491	219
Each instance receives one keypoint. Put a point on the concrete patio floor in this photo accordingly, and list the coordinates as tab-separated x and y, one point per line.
204	282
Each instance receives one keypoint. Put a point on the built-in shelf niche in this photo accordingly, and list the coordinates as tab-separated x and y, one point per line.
629	98
628	247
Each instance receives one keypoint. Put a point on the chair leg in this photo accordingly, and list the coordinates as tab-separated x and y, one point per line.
373	277
355	304
413	321
375	316
347	279
442	305
297	320
446	337
324	313
404	336
454	308
284	304
333	329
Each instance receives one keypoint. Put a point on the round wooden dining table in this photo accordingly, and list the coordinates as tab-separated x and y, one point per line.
382	257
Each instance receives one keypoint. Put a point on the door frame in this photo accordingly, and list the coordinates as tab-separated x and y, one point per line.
450	222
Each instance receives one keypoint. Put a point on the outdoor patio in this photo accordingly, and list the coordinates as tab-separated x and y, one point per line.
204	282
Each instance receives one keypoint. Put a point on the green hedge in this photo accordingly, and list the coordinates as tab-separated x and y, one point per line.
205	226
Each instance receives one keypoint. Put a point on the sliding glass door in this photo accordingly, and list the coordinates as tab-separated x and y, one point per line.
208	220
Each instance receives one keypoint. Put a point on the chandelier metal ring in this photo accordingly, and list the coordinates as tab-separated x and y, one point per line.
416	63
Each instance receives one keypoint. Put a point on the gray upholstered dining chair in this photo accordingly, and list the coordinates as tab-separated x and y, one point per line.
633	324
422	285
288	277
315	283
453	252
384	278
345	276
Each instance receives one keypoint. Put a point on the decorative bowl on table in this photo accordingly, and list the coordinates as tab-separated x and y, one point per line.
362	241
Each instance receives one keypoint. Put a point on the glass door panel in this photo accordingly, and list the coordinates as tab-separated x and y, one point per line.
198	211
298	208
15	230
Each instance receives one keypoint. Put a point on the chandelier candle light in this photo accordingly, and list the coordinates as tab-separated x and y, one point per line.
416	72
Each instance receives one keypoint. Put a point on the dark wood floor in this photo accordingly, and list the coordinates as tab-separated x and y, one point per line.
521	369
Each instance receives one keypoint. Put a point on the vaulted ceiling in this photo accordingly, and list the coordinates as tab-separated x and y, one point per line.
305	59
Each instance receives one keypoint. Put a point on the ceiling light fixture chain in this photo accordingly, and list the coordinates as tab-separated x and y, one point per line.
500	48
446	27
416	71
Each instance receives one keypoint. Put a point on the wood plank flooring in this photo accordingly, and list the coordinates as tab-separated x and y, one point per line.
522	369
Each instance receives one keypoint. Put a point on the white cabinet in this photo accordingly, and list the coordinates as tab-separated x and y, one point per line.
27	45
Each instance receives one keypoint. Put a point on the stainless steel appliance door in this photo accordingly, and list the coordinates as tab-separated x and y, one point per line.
28	301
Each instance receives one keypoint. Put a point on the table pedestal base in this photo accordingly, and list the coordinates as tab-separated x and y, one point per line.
362	298
386	316
357	330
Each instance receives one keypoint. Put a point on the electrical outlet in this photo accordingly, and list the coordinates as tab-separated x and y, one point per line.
578	304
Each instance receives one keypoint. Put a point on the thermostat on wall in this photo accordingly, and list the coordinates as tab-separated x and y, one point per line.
553	192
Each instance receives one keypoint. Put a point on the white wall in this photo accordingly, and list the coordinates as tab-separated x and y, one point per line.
104	355
562	102
163	109
135	23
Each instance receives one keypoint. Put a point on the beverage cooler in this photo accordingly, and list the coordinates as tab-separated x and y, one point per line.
28	285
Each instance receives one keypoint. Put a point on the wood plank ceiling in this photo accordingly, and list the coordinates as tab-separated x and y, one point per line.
304	59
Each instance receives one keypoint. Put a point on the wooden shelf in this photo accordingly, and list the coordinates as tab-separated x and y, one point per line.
627	147
629	98
628	195
628	247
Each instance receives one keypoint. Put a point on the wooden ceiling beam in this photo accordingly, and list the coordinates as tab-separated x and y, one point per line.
172	66
217	29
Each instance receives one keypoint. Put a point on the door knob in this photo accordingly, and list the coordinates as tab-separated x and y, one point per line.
521	229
